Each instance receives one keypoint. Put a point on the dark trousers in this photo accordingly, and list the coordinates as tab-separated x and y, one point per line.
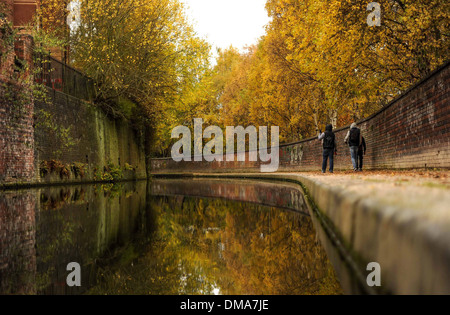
360	158
328	153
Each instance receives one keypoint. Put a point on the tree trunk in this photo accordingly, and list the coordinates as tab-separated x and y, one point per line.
333	115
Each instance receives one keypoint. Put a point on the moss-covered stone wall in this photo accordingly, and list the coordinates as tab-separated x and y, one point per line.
75	141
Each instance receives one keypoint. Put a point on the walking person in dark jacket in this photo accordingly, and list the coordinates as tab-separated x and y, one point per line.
361	153
329	148
353	139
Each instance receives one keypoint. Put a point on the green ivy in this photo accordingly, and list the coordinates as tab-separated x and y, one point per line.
62	136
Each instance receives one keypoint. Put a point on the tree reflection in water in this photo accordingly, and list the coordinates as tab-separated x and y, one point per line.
214	246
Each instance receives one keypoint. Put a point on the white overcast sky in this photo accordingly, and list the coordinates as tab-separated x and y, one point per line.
228	22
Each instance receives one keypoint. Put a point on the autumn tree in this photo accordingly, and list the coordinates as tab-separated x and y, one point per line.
195	98
282	97
360	68
318	63
143	51
52	15
258	88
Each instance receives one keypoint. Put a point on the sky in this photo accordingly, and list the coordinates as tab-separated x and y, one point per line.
228	22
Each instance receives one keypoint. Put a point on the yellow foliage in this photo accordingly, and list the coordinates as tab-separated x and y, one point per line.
321	63
141	50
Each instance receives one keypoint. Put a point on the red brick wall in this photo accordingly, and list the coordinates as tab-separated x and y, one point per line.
411	132
23	49
16	121
24	10
6	52
9	8
16	134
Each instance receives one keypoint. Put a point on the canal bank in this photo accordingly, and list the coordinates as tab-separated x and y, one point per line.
402	225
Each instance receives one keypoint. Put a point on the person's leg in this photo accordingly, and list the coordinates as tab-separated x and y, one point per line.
361	158
354	155
331	155
325	160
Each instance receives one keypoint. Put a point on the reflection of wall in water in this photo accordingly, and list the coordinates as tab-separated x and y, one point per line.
17	242
70	224
80	224
283	195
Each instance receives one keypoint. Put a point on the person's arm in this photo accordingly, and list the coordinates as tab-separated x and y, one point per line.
346	137
321	136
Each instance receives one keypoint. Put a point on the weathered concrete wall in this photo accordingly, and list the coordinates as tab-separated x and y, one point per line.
411	132
403	228
77	141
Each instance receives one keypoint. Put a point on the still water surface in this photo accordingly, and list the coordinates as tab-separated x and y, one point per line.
166	237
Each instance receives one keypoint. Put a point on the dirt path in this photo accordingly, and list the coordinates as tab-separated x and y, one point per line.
433	178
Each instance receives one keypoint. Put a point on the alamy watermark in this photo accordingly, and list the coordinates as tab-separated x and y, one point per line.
214	149
374	277
74	277
374	18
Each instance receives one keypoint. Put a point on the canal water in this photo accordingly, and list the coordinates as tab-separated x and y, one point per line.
162	237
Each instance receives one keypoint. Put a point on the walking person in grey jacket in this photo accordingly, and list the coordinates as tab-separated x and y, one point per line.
354	140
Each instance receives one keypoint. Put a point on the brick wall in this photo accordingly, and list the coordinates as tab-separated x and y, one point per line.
413	131
23	49
63	139
6	49
16	118
23	11
8	6
16	134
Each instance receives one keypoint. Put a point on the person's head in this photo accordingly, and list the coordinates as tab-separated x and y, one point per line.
354	125
329	128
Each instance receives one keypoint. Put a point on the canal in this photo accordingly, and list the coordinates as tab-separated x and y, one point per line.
163	237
